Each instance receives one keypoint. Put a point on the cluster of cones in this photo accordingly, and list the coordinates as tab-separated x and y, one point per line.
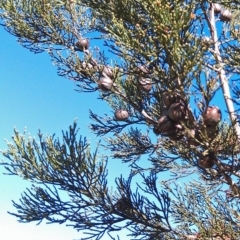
171	124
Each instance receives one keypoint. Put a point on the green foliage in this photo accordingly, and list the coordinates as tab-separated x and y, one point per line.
68	165
157	51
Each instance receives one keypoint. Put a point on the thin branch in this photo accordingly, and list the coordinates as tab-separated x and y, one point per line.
221	72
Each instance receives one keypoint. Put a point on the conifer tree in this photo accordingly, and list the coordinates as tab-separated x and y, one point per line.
163	67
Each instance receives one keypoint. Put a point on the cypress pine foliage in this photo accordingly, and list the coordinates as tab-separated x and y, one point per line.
160	65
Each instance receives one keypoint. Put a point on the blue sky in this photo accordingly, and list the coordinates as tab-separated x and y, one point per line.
32	95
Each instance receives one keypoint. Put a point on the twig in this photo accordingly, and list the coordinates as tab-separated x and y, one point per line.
142	111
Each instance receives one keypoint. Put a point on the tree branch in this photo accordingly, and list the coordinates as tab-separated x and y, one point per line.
221	72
